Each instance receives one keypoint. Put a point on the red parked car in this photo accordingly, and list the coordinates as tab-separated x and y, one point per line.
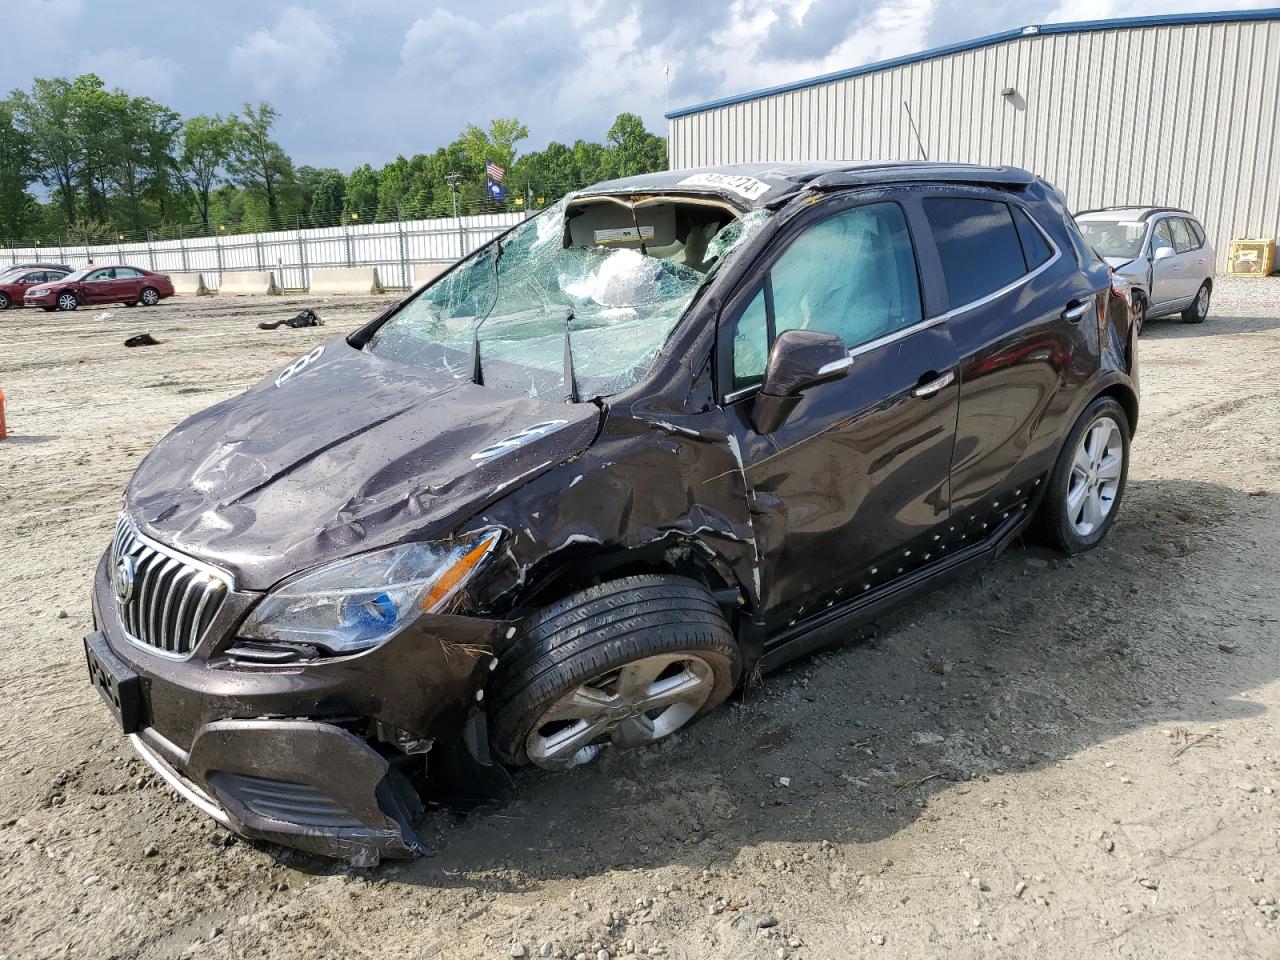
117	284
15	283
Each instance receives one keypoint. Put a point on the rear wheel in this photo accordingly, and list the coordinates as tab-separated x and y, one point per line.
1087	485
627	663
1199	308
149	296
67	301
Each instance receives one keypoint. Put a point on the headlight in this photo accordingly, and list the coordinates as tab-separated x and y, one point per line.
357	603
38	293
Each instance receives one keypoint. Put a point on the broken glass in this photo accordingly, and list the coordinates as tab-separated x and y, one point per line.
619	306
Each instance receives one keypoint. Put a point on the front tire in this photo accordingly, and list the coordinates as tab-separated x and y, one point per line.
1084	493
4	301
67	301
1199	308
626	662
1139	313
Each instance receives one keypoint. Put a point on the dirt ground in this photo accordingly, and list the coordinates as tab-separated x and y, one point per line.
1060	759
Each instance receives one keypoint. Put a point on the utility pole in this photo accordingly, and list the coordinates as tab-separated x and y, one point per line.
452	179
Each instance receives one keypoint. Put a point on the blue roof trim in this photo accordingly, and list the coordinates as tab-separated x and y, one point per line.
1082	26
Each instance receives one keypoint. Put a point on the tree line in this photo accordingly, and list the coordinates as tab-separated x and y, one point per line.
117	166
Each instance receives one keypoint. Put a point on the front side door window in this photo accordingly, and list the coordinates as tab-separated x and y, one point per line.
852	274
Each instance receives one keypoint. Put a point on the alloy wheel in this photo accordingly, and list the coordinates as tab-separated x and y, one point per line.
150	297
636	704
67	301
1202	303
1096	469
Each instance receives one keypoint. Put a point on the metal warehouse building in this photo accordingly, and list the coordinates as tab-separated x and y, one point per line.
1178	110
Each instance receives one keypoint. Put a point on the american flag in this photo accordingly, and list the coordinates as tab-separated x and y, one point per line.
495	172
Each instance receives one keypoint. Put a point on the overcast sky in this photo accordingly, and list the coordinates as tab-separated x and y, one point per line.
363	80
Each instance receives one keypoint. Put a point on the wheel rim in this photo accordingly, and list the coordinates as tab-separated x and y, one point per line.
1096	469
4	301
1202	302
1141	317
67	302
149	297
636	704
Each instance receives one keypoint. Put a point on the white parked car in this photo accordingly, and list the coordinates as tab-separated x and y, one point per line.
1161	251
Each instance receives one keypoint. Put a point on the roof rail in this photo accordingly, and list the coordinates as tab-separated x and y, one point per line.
1149	210
923	170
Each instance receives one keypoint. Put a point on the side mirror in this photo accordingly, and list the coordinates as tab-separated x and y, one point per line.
800	359
1163	253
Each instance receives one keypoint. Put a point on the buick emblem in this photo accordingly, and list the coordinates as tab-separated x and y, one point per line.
122	579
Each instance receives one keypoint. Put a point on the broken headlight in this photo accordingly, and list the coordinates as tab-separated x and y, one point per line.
357	603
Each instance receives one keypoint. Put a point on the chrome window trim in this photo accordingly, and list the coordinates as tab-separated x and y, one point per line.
951	314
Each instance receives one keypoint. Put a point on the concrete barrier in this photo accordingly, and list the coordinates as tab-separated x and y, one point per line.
189	285
248	282
346	280
426	272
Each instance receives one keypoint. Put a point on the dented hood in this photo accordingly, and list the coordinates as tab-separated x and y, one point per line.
340	453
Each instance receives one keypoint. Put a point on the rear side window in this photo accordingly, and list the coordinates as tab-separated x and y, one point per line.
1035	248
978	245
1196	232
1184	241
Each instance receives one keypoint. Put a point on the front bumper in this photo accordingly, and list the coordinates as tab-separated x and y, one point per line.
285	752
48	300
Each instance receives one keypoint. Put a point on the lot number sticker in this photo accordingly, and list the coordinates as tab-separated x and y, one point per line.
747	187
299	365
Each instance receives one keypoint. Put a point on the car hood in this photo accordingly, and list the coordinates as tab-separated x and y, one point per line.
1127	265
343	452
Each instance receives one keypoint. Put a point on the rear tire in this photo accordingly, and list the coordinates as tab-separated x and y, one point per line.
1087	485
629	661
1199	308
149	296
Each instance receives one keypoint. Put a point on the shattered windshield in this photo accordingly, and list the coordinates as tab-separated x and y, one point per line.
617	278
1114	238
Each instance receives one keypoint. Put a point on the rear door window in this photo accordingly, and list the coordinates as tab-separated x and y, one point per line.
1163	236
978	245
1184	241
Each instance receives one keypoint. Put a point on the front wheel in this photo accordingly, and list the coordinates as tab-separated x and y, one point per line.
1199	308
1139	313
149	296
67	301
1087	485
627	662
4	300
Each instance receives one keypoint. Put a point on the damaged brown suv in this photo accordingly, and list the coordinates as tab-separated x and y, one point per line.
669	431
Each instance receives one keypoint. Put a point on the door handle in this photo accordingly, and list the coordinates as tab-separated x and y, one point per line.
933	386
1075	310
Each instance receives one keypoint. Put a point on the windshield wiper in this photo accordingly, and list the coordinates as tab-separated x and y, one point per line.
477	377
570	381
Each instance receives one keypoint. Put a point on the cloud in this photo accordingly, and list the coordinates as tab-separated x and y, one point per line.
151	76
300	50
815	32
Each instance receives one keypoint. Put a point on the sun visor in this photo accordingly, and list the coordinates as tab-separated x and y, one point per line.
611	225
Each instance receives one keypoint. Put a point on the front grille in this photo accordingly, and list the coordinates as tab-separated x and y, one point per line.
166	601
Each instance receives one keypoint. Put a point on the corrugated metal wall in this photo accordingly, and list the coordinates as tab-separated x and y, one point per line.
1179	114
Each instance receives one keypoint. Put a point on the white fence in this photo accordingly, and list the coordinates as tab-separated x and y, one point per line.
396	249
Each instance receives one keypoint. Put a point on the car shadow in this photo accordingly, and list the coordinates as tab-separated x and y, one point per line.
1214	325
1034	660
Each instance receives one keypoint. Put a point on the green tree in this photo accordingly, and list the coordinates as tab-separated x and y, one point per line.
362	193
632	149
258	163
142	151
498	143
45	114
18	209
327	198
208	144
